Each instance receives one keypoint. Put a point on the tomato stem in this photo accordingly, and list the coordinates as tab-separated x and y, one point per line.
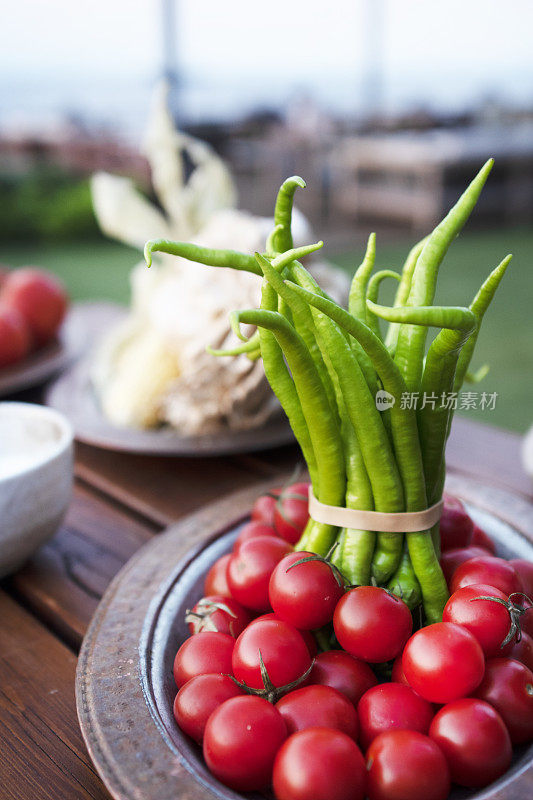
515	612
269	691
337	574
206	608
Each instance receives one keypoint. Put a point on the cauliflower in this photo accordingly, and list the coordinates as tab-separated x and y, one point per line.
154	368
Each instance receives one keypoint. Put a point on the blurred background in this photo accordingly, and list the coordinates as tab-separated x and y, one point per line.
386	107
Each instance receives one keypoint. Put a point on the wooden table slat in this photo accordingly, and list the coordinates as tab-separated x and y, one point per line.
63	582
42	754
164	489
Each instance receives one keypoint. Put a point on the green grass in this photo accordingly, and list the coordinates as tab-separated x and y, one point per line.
505	341
91	270
100	269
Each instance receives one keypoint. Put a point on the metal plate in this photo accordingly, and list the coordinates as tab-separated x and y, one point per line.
124	684
73	395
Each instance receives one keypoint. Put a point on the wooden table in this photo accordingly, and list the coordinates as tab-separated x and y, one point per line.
120	502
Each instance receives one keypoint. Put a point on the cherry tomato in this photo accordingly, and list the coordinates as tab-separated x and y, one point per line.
526	623
482	539
451	559
489	570
342	671
525	573
291	512
456	526
318	707
202	654
508	687
319	764
198	698
372	624
250	568
15	340
301	488
305	594
241	739
443	662
474	740
41	299
263	508
523	650
284	653
218	613
391	706
216	579
398	675
406	764
310	642
307	636
489	621
251	530
4	272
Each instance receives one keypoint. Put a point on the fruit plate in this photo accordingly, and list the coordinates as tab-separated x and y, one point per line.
73	395
124	682
55	356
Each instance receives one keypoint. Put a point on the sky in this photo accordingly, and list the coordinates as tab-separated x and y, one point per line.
443	54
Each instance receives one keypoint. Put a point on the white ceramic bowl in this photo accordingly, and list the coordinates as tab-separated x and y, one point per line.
36	472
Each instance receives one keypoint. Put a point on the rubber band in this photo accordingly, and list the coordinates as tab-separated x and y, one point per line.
401	522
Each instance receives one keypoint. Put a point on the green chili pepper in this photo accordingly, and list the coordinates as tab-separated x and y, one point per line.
282	235
279	243
298	313
356	546
477	376
405	431
404	583
478	306
437	380
402	294
202	255
271	249
249	346
324	433
373	440
316	536
356	304
438	374
407	450
452	317
411	339
356	301
285	258
302	277
372	292
301	316
283	386
356	553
